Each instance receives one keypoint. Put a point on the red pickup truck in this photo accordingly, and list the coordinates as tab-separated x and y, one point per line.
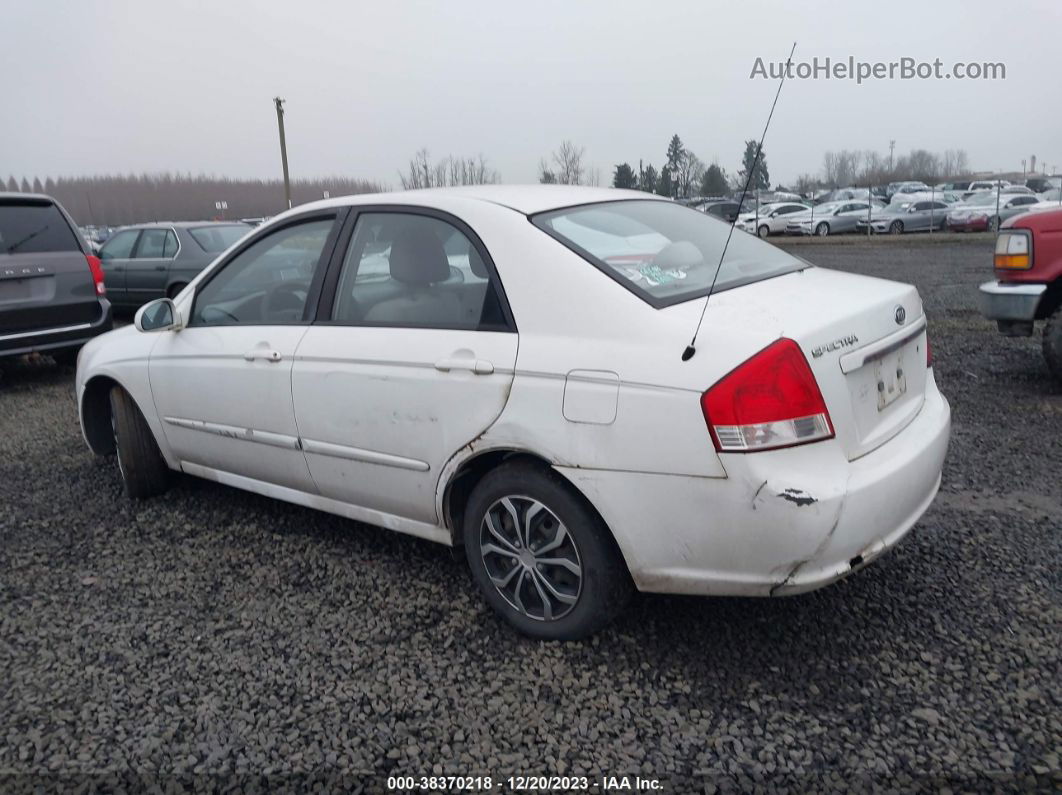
1028	263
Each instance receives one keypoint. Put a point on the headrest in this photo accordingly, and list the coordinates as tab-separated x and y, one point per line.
418	257
475	262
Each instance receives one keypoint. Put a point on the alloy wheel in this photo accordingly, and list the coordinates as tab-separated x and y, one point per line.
531	558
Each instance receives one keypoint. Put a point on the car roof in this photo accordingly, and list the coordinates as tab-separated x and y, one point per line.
526	199
182	224
37	197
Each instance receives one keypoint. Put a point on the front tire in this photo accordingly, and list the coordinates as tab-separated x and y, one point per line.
541	556
896	228
1053	344
143	469
822	229
763	231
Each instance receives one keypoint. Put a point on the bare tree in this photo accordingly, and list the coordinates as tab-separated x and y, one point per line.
568	160
423	173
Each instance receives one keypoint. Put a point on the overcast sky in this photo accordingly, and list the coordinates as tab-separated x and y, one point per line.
102	87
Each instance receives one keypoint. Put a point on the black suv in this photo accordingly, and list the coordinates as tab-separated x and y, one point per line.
52	297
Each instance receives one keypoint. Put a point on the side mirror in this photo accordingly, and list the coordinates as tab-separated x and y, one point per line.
159	315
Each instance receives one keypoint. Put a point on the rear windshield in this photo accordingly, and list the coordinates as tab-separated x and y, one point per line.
215	239
663	252
28	228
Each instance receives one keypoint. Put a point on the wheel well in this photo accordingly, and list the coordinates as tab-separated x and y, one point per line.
1051	301
173	289
96	414
465	479
473	470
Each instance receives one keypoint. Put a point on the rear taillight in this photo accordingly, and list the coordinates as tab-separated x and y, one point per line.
97	273
770	401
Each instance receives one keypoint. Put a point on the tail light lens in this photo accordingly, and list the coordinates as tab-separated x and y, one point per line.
772	400
97	273
1013	250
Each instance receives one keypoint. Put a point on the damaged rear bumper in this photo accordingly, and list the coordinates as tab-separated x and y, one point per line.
782	522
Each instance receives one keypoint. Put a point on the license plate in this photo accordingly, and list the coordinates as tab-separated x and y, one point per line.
892	383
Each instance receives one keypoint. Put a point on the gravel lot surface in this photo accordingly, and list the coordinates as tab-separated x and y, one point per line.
216	632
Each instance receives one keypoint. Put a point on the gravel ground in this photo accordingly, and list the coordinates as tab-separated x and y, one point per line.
213	632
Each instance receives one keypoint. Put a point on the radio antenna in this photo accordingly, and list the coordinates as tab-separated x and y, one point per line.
692	347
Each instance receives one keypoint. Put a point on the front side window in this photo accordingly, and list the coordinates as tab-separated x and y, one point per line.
415	271
662	252
120	246
267	283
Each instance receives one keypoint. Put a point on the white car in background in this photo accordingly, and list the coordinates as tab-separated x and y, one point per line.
502	369
770	219
832	218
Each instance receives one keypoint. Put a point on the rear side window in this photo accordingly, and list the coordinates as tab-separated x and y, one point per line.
152	244
34	227
415	271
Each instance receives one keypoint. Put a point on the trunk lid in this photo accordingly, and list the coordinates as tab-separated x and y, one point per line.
864	338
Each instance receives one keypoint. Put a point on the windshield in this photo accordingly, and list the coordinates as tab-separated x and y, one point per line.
662	252
215	239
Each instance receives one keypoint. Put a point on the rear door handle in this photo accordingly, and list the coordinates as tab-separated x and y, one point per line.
262	353
477	366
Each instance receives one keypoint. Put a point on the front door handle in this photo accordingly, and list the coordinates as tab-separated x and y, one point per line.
477	366
262	353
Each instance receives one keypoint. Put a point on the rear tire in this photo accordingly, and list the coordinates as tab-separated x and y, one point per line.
536	517
1053	344
143	469
171	293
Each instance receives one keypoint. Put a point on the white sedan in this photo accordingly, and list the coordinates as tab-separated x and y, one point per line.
771	219
501	369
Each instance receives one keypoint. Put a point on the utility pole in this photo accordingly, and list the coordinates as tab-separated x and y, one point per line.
892	146
283	149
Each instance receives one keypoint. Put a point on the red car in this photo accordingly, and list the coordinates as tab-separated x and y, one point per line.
1028	264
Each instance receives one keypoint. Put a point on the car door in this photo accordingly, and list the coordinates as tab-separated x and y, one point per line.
845	220
1017	205
222	384
917	217
781	216
413	359
146	271
115	256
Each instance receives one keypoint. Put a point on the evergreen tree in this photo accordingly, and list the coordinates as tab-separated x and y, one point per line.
714	182
648	179
760	178
624	177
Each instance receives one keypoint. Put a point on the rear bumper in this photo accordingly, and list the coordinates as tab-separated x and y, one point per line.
979	224
57	337
1010	301
782	522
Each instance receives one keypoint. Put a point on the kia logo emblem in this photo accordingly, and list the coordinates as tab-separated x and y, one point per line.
901	315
